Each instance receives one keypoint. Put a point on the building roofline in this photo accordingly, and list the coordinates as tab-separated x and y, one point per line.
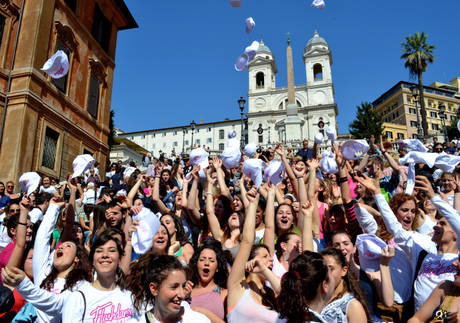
411	84
180	127
129	17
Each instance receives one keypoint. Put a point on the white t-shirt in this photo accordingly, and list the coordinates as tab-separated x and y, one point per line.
101	306
50	189
35	215
89	197
189	316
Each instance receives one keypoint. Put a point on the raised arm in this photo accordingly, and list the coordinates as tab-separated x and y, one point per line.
237	275
133	192
269	233
40	260
393	164
280	151
365	218
156	191
214	224
15	260
191	202
446	210
217	163
299	172
386	290
307	232
313	166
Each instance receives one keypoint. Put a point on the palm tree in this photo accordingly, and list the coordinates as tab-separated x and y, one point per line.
417	53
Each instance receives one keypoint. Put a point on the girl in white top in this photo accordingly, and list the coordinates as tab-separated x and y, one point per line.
248	298
63	270
159	281
103	300
437	265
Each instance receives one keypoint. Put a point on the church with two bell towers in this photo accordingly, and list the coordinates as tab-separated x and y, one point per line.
275	114
314	100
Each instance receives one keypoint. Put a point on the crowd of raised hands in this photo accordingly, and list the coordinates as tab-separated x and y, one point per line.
320	239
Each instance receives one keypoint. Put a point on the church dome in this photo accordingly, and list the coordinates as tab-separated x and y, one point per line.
316	40
263	48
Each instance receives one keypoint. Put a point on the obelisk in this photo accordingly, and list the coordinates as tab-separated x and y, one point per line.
292	122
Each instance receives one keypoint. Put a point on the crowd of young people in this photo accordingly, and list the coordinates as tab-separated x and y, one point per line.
322	238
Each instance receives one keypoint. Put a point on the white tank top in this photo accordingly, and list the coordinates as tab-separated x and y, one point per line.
248	311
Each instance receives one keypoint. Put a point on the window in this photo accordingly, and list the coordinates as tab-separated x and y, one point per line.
434	126
260	80
164	134
101	28
261	139
209	140
197	141
452	118
433	114
221	146
93	96
49	148
164	145
400	136
413	123
175	144
186	143
61	83
412	110
72	4
197	130
143	136
318	72
209	129
389	135
87	152
175	133
414	136
2	26
221	134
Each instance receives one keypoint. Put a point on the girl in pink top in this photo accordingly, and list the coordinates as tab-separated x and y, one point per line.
249	300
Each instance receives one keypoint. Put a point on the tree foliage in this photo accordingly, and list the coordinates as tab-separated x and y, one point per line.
367	122
417	53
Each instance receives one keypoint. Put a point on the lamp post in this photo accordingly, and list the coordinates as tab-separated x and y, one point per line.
415	92
192	126
241	103
183	140
443	117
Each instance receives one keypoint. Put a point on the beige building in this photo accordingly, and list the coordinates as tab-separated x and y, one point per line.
397	106
48	122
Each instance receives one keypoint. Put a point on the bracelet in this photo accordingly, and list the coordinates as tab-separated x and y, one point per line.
209	193
22	223
157	176
300	177
342	180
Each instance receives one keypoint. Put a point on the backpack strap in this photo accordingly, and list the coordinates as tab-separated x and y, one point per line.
420	259
84	309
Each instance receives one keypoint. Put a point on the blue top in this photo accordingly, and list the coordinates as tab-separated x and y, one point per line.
4	200
305	153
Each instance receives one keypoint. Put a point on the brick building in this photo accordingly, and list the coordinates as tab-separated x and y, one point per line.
48	122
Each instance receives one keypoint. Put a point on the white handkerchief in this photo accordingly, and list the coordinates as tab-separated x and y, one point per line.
57	65
29	182
318	4
250	24
149	224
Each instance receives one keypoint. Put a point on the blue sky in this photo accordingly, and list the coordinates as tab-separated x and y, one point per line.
178	65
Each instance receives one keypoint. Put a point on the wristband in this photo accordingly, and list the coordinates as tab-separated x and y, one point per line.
342	180
209	193
21	223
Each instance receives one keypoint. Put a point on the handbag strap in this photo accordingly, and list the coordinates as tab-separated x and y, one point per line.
84	302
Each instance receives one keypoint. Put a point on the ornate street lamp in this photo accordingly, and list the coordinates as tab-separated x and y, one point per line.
443	116
241	103
183	139
415	93
193	126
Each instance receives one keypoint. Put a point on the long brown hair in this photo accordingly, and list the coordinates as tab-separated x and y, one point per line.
80	271
350	283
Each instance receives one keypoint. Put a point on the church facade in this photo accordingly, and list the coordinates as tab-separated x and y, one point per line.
314	99
267	107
